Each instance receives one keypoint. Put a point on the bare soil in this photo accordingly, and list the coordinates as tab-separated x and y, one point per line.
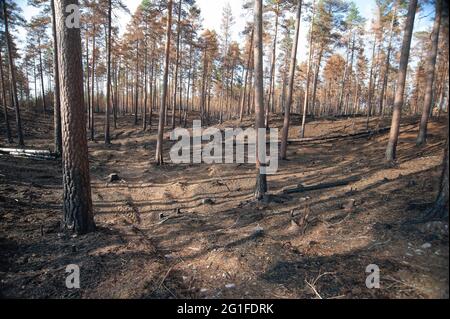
160	237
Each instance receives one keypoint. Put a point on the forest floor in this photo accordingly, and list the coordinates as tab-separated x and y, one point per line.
193	230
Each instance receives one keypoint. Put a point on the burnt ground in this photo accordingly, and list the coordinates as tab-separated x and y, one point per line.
160	237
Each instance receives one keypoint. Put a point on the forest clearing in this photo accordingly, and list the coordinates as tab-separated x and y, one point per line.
357	207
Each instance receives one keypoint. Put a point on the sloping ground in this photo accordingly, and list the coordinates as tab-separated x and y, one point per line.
194	231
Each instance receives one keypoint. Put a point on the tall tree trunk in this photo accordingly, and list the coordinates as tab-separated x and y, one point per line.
401	81
144	121
88	85
12	72
93	86
177	61
56	93
249	59
41	73
77	206
431	64
202	93
136	93
344	79
388	62
272	68
116	90
316	78
308	75
287	111
261	178
108	76
4	101
369	99
162	110
151	93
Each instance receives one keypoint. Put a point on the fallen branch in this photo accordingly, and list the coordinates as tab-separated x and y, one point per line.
34	154
301	188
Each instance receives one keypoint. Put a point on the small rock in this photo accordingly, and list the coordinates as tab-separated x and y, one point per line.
204	290
230	286
426	246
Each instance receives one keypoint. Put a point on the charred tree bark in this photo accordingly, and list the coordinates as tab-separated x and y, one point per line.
77	206
261	178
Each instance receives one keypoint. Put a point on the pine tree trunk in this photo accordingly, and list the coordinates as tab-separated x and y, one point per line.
77	206
431	64
369	98
57	103
177	61
93	86
287	111
108	76
308	76
4	101
401	82
41	73
136	93
12	72
249	59
388	62
272	69
162	111
261	179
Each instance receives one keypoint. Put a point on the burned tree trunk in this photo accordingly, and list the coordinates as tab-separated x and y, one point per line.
77	206
261	179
